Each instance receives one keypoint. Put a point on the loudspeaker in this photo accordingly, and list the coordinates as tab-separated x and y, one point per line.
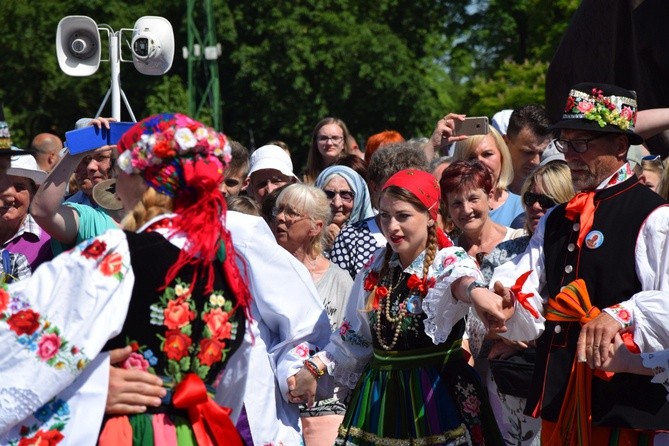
152	45
78	45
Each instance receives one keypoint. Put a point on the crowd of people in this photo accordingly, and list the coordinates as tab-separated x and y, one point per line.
508	287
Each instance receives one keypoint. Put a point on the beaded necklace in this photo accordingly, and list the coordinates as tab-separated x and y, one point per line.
396	320
382	302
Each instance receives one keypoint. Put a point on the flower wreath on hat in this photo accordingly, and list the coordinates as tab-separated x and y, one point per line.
184	159
613	110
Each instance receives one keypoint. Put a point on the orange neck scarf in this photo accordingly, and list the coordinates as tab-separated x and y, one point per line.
582	205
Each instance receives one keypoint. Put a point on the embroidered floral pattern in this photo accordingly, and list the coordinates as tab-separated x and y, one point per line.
111	264
617	111
351	336
621	314
55	414
177	311
470	406
39	335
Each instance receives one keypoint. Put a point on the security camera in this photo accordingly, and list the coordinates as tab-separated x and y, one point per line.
78	45
152	45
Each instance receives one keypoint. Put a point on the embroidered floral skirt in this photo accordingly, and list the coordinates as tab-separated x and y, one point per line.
429	396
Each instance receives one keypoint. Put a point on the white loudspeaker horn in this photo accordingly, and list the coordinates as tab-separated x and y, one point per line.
152	45
78	45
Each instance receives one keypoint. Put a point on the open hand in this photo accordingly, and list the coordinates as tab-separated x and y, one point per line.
131	390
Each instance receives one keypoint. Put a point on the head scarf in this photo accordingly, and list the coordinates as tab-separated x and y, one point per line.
184	159
421	184
362	203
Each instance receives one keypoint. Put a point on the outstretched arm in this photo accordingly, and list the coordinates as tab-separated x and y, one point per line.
47	208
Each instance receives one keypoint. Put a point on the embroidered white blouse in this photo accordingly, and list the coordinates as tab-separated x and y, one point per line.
350	348
53	326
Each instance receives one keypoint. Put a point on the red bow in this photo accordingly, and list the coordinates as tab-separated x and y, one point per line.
583	206
522	297
211	422
414	282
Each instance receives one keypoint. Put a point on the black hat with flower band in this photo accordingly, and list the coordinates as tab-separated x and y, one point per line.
600	108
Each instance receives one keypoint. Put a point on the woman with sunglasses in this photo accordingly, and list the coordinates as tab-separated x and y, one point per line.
349	198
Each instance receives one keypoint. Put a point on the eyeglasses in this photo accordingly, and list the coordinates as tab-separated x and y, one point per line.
290	214
345	195
334	139
577	145
545	201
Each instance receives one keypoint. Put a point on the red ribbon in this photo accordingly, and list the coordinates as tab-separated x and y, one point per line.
582	206
522	297
211	423
443	240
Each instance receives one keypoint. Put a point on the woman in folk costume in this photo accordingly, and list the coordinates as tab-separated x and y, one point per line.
170	286
399	346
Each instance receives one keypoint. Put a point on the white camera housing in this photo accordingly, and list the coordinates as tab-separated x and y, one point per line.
152	45
78	45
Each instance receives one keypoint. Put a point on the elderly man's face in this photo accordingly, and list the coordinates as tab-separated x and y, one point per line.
98	165
601	159
264	181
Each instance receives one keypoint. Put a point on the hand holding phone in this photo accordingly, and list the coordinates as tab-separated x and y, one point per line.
477	125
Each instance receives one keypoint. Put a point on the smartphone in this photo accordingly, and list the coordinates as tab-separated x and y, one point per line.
477	125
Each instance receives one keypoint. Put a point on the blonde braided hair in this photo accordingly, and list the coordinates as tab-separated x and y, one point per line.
152	204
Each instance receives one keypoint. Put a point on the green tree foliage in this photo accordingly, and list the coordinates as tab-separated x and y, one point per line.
500	50
512	86
389	64
373	65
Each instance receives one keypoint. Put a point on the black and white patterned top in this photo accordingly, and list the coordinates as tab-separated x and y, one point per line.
355	245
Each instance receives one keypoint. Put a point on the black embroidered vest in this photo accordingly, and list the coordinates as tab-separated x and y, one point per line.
176	331
608	270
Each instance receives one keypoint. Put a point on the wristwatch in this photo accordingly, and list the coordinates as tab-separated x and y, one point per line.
471	287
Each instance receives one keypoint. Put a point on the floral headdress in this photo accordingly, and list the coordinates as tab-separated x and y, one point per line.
184	159
162	147
602	108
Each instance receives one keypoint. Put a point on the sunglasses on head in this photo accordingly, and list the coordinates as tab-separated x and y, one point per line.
545	201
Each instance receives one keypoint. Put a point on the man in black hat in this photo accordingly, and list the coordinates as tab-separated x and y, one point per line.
596	262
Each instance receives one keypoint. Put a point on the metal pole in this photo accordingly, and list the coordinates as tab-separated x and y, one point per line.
115	62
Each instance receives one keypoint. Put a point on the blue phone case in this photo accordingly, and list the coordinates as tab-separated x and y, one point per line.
91	137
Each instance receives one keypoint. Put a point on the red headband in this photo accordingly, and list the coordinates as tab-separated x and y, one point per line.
421	184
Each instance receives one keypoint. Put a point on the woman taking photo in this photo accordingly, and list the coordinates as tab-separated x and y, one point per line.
491	150
399	343
300	214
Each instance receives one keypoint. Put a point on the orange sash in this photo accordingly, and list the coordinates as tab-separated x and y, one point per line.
574	425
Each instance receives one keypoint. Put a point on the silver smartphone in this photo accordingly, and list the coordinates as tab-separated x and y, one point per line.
477	125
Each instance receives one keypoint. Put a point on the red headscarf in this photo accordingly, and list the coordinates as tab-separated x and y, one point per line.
421	184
